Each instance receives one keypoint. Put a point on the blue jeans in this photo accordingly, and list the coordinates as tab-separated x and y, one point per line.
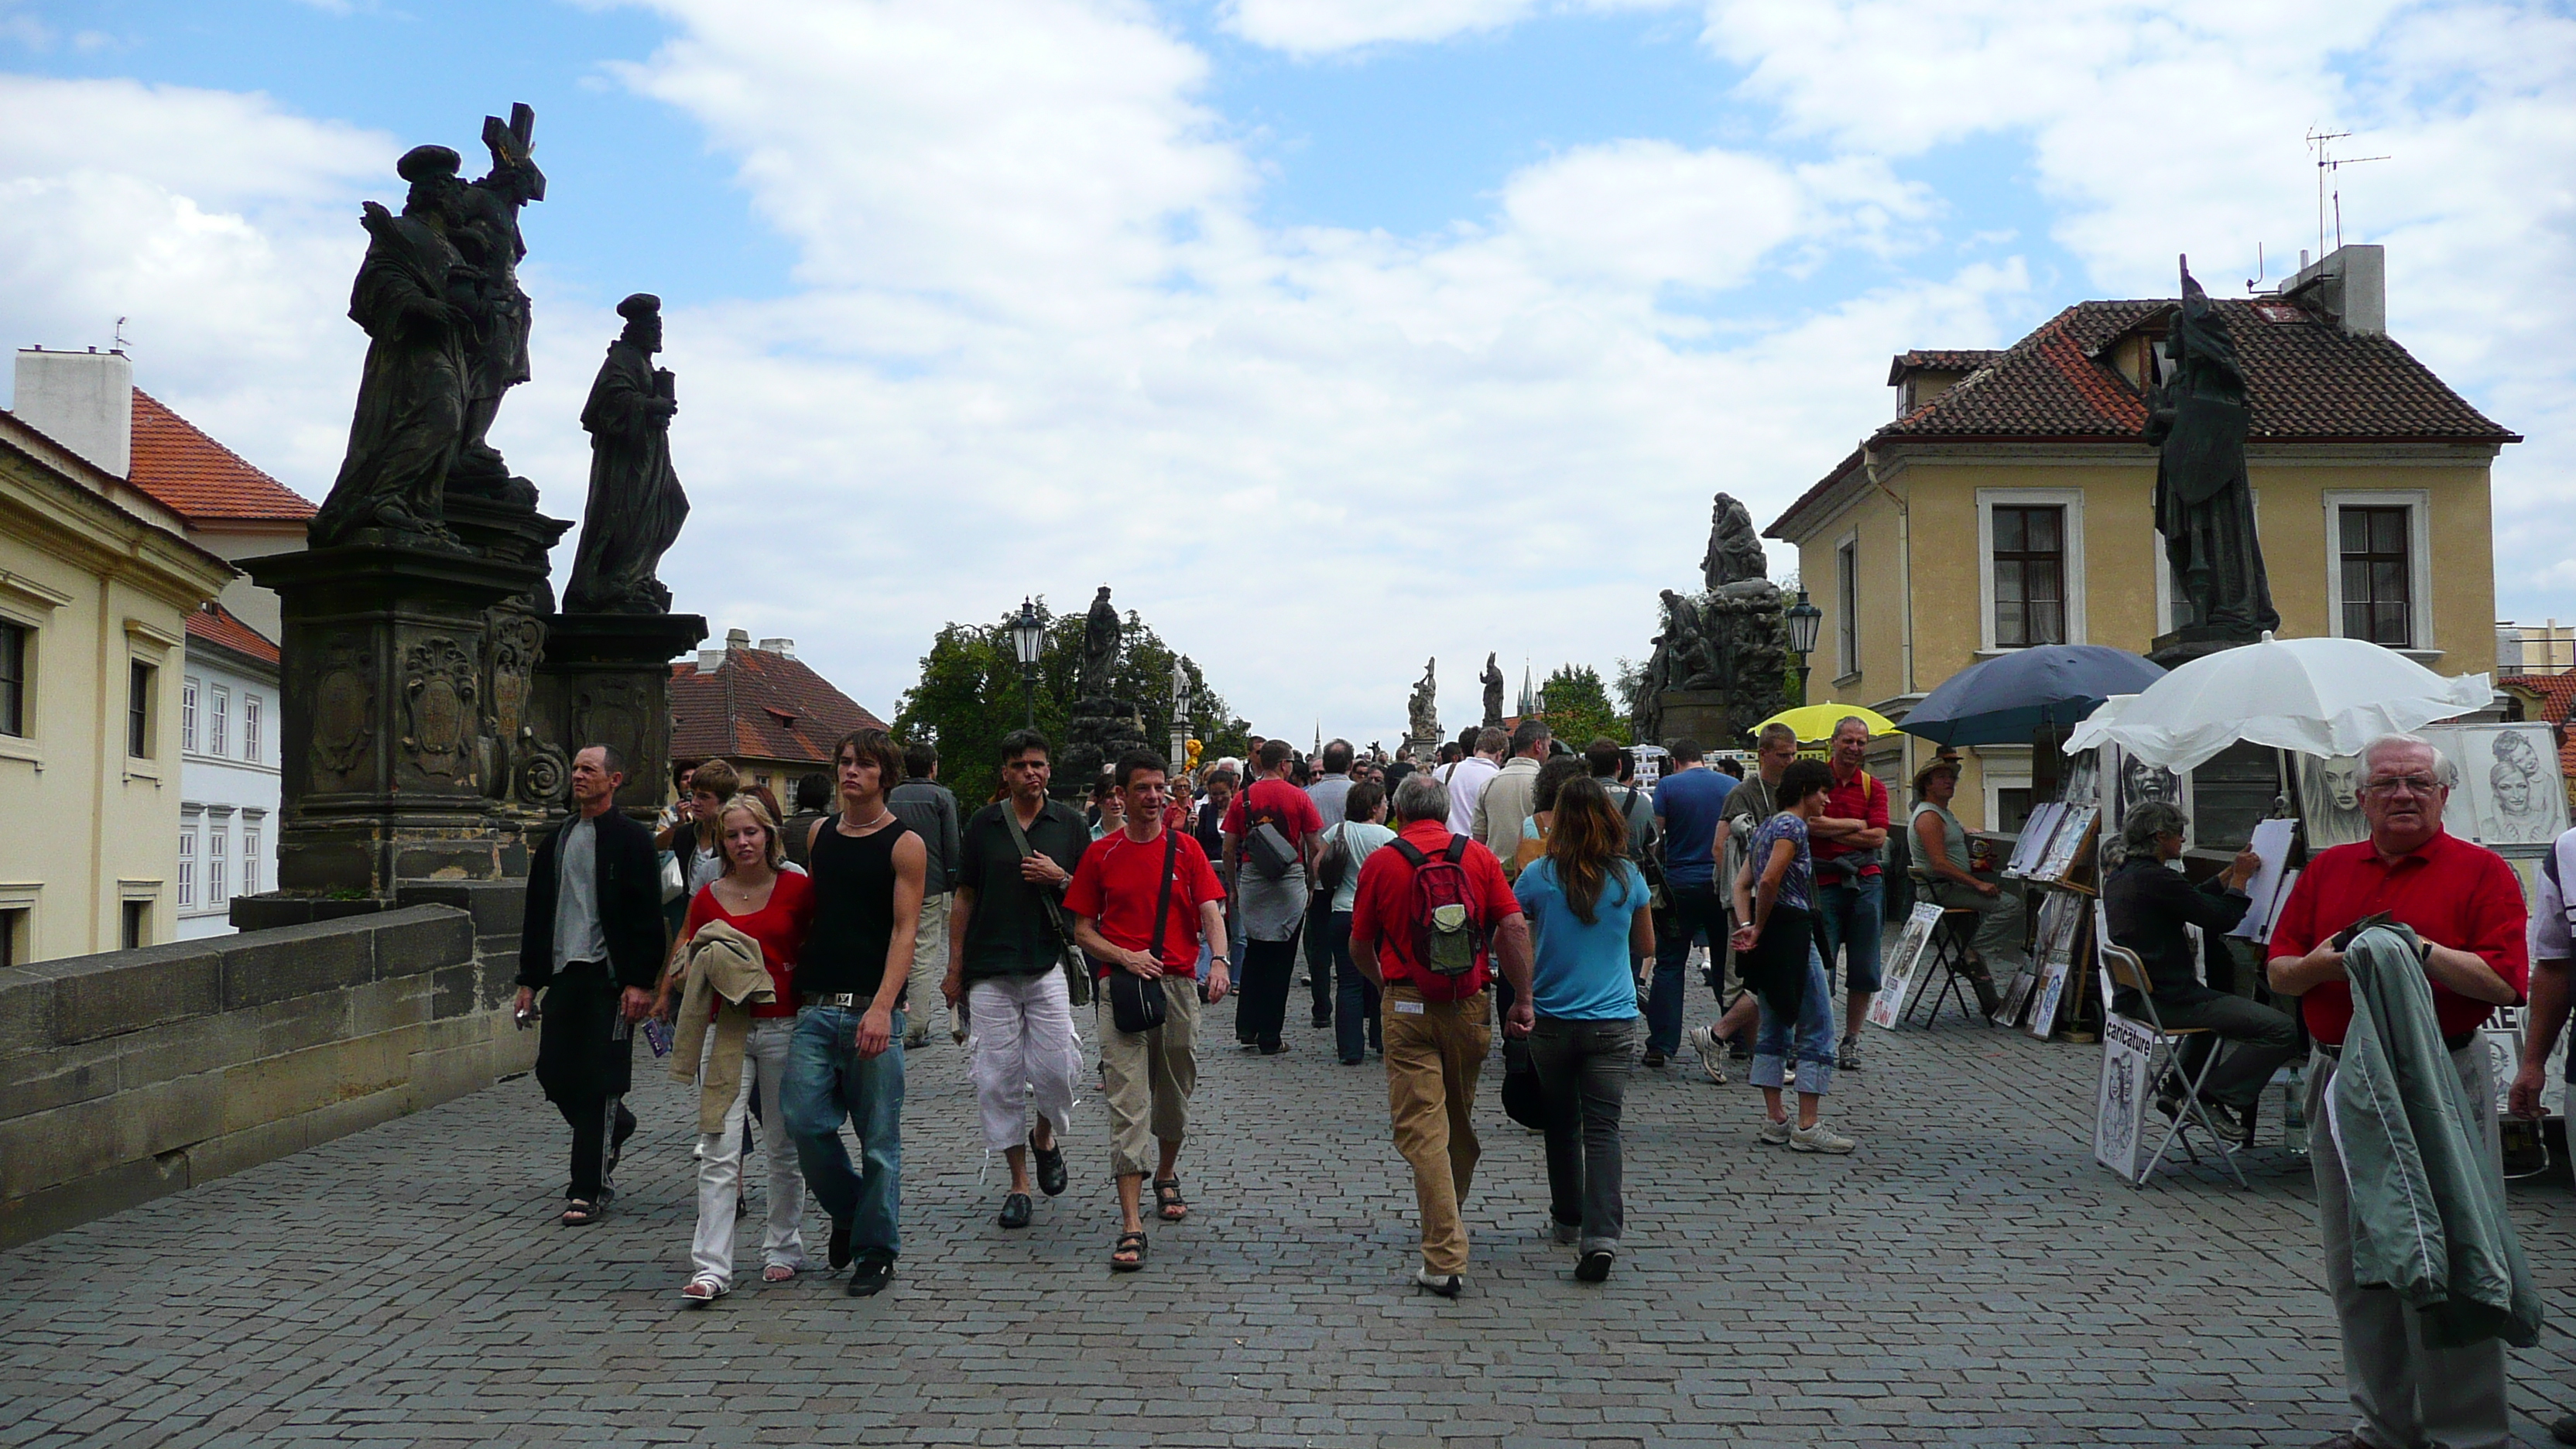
828	1080
1815	1037
1355	1020
1852	922
1692	908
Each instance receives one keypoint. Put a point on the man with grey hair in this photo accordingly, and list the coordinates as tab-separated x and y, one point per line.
2465	905
2149	907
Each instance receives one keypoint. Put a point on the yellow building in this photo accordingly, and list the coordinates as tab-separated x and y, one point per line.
96	587
2011	503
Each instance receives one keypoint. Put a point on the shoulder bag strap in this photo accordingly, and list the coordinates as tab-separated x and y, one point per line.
1046	898
1163	900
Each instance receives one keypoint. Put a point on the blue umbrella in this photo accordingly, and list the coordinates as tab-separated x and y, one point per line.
2007	700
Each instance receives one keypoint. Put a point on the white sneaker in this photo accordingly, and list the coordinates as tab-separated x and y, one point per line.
1819	1138
1775	1134
1712	1052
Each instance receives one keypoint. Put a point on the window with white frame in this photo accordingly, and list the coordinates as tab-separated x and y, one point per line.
2030	567
1847	606
251	711
250	861
219	721
2378	555
187	862
215	862
188	713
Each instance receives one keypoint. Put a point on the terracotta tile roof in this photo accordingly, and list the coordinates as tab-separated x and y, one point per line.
760	705
2307	381
1939	359
200	479
219	626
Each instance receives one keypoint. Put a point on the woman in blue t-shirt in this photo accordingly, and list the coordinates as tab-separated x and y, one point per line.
1586	904
1776	952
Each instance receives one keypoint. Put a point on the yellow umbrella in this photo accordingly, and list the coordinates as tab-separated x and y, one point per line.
1817	721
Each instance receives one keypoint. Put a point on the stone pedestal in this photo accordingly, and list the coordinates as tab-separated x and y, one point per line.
2194	641
1100	731
529	771
1705	717
606	680
388	754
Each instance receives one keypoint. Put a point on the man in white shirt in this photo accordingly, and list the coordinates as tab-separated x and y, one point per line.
1467	778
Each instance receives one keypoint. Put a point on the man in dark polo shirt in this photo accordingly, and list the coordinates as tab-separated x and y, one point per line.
2463	901
1004	971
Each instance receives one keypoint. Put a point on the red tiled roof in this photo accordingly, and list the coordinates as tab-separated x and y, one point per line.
200	479
2307	380
219	626
1938	359
762	706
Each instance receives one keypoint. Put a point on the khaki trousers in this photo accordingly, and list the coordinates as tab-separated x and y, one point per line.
1148	1076
2406	1394
929	966
1434	1049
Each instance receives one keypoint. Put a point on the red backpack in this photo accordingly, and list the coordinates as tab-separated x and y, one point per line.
1449	930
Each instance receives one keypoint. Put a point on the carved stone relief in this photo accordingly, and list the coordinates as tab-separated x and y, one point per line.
440	692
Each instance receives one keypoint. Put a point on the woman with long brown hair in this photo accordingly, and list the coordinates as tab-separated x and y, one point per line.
1586	903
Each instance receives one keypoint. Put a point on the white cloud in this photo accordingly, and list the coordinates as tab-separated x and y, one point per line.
1310	28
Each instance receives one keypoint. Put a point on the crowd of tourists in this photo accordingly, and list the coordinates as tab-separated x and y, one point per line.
789	963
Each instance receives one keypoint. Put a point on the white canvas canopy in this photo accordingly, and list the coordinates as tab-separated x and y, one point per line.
2317	696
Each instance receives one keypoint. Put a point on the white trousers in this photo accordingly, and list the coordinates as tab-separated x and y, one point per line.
720	1161
1025	1053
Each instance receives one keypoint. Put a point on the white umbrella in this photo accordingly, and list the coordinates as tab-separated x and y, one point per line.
2317	696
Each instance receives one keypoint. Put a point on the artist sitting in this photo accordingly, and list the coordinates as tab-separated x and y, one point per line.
2148	906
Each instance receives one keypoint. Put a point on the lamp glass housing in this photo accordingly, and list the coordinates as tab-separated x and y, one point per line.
1028	636
1804	618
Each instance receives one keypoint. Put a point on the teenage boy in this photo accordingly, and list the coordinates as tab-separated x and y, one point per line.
846	1060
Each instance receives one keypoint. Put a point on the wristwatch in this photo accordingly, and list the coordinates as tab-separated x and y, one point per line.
1219	961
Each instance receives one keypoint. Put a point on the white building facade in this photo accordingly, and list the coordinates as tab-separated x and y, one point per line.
228	775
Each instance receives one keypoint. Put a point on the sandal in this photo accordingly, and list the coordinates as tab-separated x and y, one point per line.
1050	1163
580	1214
1168	1202
705	1288
1127	1242
778	1273
1015	1210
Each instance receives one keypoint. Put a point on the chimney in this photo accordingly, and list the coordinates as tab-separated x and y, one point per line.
710	660
783	648
2348	284
82	400
737	638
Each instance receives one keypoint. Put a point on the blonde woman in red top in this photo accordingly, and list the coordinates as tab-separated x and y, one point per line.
775	908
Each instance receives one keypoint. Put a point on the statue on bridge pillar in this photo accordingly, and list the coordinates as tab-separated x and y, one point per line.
2197	417
636	505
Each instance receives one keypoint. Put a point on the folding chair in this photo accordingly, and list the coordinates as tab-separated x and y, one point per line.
1950	952
2121	967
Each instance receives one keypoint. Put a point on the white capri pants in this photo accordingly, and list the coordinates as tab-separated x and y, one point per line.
1025	1054
720	1161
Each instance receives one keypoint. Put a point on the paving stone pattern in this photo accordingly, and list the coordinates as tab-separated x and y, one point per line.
1968	1277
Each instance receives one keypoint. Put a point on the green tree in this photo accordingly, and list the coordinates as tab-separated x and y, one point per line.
1578	708
970	695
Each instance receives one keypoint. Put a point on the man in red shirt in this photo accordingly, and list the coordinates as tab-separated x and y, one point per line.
1435	1027
2463	901
1273	909
1148	1075
1851	891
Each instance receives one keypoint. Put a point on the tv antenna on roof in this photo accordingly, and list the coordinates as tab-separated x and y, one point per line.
121	344
2322	142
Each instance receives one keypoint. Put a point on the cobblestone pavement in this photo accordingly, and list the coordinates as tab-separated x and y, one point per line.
1968	1277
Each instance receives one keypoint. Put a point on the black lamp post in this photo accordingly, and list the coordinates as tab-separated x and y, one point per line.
1803	617
1028	640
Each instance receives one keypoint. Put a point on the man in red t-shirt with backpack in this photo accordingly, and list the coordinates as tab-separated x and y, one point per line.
1431	919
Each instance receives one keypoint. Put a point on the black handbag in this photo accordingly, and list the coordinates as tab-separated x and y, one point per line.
1136	1004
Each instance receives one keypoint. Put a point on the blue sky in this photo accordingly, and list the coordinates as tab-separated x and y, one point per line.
1082	290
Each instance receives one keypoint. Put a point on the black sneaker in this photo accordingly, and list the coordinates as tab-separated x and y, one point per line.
1015	1211
872	1275
1652	1058
1847	1055
1594	1266
837	1251
2233	1122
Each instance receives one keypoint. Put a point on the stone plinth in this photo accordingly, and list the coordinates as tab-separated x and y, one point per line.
2194	641
529	771
1100	731
1706	717
606	680
388	755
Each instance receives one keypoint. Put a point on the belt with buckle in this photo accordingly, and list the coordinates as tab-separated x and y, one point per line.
846	1000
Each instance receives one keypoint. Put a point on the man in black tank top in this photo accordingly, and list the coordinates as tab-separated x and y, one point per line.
847	1057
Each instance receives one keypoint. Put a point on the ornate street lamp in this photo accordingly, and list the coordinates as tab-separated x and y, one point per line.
1028	640
1804	617
1180	713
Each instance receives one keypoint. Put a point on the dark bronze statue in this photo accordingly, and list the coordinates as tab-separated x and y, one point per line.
496	353
1099	646
415	296
636	506
1734	550
1492	679
2204	503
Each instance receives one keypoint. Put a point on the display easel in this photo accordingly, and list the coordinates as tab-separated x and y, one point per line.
2052	989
